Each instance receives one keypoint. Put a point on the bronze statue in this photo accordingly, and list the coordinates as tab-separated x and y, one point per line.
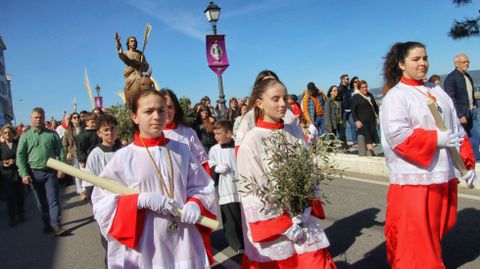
135	66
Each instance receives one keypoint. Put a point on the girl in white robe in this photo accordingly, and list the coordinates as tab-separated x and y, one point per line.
143	230
178	130
422	196
276	240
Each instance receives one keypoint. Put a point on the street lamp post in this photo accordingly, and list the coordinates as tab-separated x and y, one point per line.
98	98
213	15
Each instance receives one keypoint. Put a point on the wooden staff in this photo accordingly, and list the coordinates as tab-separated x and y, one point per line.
112	186
432	105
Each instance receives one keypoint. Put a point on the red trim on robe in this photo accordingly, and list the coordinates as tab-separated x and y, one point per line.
319	259
268	125
317	209
204	231
127	225
295	108
419	147
171	126
206	166
466	152
236	150
150	142
412	82
267	230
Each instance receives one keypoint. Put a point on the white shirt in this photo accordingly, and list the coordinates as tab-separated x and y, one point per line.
227	187
404	108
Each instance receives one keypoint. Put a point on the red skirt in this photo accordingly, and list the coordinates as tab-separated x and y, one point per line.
319	259
418	216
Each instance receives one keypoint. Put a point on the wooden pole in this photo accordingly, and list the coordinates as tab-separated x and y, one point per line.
112	186
441	125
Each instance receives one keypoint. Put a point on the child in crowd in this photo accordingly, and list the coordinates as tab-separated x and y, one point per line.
309	130
98	158
86	141
224	165
143	230
275	240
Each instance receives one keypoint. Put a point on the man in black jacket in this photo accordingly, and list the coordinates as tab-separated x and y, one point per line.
345	95
459	85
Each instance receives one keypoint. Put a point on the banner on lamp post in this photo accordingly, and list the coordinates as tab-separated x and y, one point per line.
98	102
217	54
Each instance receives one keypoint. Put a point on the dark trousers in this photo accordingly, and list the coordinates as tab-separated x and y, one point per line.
340	134
473	132
232	225
14	191
45	184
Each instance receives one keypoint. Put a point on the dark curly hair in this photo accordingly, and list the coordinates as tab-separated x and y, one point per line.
391	69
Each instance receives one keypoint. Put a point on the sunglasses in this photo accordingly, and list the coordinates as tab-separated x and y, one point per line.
75	117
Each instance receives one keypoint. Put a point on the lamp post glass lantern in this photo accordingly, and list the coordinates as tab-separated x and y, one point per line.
98	90
212	12
213	15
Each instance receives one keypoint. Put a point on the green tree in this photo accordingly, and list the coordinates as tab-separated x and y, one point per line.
185	103
125	124
467	27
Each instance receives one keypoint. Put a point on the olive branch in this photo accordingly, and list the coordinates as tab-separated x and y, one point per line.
294	173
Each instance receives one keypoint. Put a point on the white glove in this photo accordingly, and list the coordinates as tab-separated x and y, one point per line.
470	178
222	168
312	130
447	139
294	233
190	213
304	217
157	203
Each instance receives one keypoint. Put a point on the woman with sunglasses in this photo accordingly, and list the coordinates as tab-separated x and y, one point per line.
69	142
11	180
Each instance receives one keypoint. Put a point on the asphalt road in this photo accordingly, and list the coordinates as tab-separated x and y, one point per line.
354	225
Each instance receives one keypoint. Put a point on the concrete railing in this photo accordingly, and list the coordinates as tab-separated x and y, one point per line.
374	167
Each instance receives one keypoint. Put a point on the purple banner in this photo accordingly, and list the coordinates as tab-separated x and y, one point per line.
217	54
98	102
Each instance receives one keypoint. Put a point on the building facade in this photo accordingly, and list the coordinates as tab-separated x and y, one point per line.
6	105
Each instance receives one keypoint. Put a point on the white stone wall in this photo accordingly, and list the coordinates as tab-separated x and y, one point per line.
374	166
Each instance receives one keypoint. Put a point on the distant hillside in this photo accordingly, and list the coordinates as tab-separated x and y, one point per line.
377	92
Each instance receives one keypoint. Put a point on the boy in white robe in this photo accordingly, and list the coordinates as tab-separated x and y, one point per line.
224	164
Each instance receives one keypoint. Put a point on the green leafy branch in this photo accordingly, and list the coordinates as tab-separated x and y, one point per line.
294	173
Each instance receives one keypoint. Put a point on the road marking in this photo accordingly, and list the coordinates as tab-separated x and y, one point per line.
461	195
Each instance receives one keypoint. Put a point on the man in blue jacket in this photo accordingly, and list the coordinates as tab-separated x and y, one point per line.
459	85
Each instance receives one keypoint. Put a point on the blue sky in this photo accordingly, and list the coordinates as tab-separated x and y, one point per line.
51	42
